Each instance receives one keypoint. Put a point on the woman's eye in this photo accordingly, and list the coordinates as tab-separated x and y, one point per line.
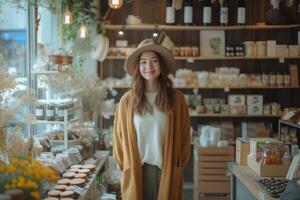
143	62
155	60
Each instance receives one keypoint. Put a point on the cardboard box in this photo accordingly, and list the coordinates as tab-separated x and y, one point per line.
266	170
293	50
254	99
294	75
238	109
255	109
282	51
236	100
242	150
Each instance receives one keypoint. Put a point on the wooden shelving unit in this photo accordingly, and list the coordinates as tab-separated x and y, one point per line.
196	28
220	115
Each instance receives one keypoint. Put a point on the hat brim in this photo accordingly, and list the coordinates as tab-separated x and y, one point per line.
167	56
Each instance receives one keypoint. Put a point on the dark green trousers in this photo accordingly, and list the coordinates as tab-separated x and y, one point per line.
151	180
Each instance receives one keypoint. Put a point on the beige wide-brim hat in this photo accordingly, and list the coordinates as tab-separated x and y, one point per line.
149	45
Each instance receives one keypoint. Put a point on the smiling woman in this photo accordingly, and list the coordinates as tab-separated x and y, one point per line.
151	128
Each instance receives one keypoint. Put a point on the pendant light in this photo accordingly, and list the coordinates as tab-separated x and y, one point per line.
115	4
83	31
68	18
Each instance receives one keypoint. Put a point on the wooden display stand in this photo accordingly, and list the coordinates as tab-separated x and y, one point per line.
210	169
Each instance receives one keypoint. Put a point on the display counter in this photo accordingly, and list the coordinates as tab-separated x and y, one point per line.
89	192
244	184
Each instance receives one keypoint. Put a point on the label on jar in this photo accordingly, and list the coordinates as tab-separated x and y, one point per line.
265	79
60	113
287	80
279	80
39	112
272	79
50	113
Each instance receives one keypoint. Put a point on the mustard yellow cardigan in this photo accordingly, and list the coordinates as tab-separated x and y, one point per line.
176	150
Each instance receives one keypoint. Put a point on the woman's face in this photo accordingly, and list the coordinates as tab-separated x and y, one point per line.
149	66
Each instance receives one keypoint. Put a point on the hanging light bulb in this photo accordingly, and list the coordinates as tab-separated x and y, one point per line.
155	34
83	31
115	4
68	18
121	33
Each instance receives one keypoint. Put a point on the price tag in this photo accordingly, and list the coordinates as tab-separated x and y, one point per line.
79	190
261	196
227	89
281	60
190	60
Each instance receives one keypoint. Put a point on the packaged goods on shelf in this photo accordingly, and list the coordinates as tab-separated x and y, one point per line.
242	150
292	115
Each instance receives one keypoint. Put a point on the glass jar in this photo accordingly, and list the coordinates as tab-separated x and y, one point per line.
272	79
39	110
50	111
279	79
286	79
61	106
265	79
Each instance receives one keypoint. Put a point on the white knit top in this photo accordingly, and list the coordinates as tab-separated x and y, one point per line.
150	130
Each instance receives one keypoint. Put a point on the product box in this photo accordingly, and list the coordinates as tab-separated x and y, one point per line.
294	50
238	109
266	170
254	100
294	75
236	100
271	48
242	150
256	109
282	50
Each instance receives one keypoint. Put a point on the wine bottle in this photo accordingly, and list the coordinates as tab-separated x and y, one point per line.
224	13
241	18
188	12
170	13
206	12
215	11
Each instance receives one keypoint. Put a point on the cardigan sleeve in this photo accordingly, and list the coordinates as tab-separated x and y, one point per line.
117	138
185	140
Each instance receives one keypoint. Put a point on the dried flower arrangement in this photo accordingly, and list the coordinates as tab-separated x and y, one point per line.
12	102
92	93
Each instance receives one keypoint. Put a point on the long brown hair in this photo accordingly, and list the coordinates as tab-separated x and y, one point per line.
164	98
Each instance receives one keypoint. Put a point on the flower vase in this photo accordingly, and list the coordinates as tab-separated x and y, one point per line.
101	144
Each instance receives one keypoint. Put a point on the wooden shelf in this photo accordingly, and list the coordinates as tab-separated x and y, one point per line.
224	88
196	28
290	124
191	59
221	115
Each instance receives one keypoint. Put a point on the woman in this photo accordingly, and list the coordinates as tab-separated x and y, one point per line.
151	128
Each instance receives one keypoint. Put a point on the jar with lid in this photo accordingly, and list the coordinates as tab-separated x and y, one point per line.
61	106
272	79
279	79
39	110
50	111
265	79
286	79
